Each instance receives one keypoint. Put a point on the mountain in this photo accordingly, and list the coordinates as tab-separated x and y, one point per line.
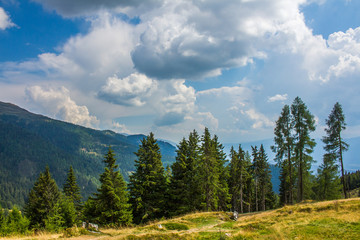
29	142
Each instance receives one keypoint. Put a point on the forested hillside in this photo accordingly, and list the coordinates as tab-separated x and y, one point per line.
29	142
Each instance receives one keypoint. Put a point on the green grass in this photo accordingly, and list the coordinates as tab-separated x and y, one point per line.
175	226
312	220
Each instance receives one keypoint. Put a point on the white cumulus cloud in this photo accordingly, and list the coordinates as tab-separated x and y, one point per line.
278	97
130	91
58	103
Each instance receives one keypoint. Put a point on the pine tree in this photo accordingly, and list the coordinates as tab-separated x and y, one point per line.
184	187
42	199
148	183
249	187
256	175
223	195
304	124
72	190
284	145
334	143
112	198
209	172
265	185
328	185
238	178
179	181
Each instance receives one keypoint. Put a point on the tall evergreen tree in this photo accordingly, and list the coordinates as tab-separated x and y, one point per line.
209	172
265	185
256	171
112	198
249	186
284	146
71	189
223	195
304	124
334	143
328	184
148	183
184	187
238	178
179	181
42	199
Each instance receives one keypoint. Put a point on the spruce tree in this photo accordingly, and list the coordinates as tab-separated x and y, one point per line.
209	173
223	195
71	189
42	199
148	183
265	185
284	146
256	175
184	188
179	181
238	178
328	184
249	186
112	198
334	142
304	124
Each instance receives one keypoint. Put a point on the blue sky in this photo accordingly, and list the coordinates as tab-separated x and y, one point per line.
173	66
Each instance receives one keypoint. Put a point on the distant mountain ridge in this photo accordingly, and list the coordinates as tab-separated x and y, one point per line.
29	142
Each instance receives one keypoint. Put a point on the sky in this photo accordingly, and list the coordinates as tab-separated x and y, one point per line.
171	66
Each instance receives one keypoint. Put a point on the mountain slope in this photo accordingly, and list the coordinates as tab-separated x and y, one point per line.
29	142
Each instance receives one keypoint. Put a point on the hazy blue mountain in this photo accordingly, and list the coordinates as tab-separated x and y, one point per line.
29	142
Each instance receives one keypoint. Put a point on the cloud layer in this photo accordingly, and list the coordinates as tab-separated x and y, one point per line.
57	103
173	66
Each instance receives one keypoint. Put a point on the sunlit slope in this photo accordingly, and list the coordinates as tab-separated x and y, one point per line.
323	220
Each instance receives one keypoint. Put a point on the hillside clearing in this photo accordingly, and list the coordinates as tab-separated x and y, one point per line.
319	220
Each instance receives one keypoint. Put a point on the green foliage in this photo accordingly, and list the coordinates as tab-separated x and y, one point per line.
68	212
54	221
111	202
208	172
304	124
184	189
42	200
328	184
72	190
334	143
15	223
239	177
284	147
148	183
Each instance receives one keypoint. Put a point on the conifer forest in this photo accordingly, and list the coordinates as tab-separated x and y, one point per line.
202	179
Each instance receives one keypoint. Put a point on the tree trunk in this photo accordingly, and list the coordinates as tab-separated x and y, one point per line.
342	168
241	193
291	200
256	197
301	184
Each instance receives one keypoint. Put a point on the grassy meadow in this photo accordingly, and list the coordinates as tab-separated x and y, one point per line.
338	219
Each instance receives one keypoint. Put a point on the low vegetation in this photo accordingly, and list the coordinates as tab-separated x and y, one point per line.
339	219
